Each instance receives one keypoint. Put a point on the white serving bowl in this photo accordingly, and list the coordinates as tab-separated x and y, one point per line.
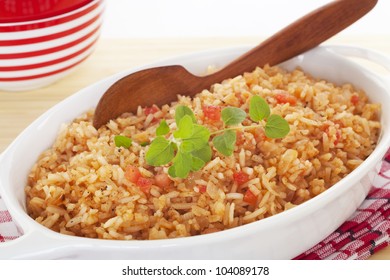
282	236
37	53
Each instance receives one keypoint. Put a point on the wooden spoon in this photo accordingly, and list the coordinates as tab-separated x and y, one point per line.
161	85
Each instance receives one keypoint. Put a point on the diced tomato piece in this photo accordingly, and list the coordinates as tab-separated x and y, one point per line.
144	184
355	99
132	174
285	98
151	110
240	138
212	112
325	127
240	177
259	134
202	188
239	97
162	180
250	198
338	136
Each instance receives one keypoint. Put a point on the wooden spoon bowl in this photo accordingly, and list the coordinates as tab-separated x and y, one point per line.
161	85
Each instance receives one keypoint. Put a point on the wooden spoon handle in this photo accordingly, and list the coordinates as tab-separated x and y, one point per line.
298	37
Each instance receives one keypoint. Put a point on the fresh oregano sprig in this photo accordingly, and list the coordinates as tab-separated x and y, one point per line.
122	141
276	126
188	149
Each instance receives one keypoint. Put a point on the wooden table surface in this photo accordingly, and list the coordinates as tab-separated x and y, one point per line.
19	109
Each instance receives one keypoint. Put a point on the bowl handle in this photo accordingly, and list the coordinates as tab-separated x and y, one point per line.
35	245
358	52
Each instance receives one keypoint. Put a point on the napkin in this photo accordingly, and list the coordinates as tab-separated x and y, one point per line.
364	233
8	229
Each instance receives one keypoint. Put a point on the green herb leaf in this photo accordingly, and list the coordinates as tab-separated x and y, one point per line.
182	111
232	115
181	166
144	144
185	128
187	146
199	138
258	109
161	151
204	154
122	141
172	171
225	142
197	164
163	128
276	127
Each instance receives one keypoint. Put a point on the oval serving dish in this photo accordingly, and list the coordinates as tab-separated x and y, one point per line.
282	236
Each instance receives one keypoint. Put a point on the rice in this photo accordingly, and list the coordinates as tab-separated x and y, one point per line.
80	186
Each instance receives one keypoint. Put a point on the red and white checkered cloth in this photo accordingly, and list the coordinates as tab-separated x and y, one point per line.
8	229
364	233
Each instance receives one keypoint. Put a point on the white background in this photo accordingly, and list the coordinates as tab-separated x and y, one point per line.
222	18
